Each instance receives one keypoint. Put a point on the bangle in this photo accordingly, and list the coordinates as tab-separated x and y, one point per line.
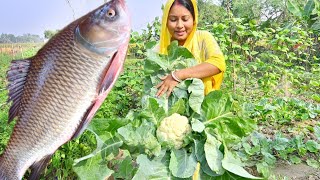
175	77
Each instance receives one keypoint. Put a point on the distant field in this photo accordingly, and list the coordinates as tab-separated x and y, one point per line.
18	49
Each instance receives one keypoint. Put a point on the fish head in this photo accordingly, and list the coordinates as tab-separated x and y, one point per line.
106	29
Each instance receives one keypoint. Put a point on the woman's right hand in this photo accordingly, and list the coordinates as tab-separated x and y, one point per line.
166	86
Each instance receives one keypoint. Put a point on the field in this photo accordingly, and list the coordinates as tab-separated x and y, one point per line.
287	115
19	49
264	123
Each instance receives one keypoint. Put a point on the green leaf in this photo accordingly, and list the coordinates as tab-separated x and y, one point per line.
151	63
264	169
126	169
181	90
178	107
93	166
231	164
141	138
280	143
295	159
156	62
200	154
216	105
312	146
313	163
213	155
230	126
182	63
151	169
308	8
175	51
107	143
92	169
204	176
269	158
150	44
317	132
102	129
182	164
106	150
196	88
316	25
197	125
293	8
298	140
155	112
230	176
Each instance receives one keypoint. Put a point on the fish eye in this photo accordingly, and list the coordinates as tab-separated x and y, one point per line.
111	13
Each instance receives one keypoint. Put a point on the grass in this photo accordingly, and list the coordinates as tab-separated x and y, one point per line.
5	130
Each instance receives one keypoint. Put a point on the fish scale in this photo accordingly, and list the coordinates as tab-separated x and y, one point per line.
64	86
45	111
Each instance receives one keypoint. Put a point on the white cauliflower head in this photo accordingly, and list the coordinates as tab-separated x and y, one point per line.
173	130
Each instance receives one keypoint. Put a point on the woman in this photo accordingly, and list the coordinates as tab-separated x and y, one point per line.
179	22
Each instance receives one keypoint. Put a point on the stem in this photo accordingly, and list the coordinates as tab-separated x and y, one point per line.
224	115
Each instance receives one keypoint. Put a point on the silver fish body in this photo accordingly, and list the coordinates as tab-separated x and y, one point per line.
56	93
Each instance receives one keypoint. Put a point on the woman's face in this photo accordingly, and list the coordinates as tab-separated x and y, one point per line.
180	23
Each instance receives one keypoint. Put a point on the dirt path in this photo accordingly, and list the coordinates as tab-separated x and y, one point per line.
297	172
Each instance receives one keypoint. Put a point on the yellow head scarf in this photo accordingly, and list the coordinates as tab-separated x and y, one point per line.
165	36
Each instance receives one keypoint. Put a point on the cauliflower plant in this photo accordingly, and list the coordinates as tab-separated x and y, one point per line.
173	130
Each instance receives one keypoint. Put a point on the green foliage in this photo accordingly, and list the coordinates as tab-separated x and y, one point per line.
126	93
155	168
309	14
5	131
209	12
139	135
94	165
147	39
262	151
284	110
182	164
48	34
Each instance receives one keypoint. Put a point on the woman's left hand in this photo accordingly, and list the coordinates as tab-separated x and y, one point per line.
166	86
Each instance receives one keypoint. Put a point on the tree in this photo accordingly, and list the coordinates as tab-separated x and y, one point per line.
48	34
210	12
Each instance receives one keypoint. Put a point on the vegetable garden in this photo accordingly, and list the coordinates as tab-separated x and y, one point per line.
265	116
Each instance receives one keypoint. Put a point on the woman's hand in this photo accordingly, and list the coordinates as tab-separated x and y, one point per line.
166	86
199	71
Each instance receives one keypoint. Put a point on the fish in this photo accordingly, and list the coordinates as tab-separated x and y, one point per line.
55	93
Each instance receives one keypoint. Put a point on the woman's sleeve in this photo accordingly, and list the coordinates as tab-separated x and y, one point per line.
212	52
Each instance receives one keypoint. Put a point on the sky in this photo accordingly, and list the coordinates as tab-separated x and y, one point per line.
35	16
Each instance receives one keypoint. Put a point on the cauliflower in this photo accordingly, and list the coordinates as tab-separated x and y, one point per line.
173	130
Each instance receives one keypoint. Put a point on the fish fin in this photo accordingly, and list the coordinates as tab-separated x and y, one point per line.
84	123
16	76
38	167
108	80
